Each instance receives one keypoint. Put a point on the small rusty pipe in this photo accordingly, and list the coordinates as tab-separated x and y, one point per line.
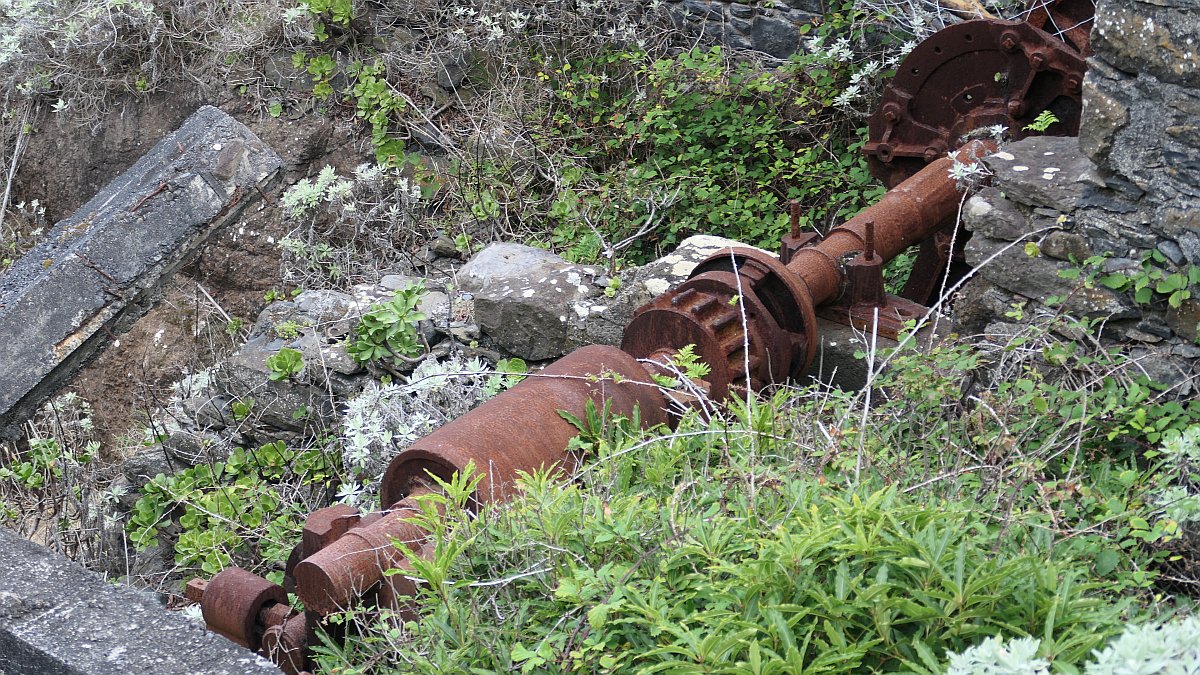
335	576
521	430
909	213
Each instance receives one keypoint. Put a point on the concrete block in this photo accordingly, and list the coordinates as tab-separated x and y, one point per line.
101	268
57	618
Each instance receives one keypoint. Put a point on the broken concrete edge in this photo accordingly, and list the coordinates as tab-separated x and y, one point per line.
100	269
57	617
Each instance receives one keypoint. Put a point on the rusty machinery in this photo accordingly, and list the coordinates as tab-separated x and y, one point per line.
752	317
967	78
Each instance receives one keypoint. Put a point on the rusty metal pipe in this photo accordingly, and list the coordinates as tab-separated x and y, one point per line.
908	213
334	577
521	430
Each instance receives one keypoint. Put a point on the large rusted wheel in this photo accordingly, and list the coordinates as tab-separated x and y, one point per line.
782	292
965	79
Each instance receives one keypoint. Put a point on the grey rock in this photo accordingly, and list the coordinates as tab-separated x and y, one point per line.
444	246
1185	319
502	261
452	69
1047	171
1067	246
396	282
1189	244
1113	265
1104	114
1150	37
147	461
1037	278
277	405
989	214
1164	369
706	10
1172	251
741	11
195	447
775	36
1155	326
529	316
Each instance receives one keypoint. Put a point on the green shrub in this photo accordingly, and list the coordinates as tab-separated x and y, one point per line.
245	510
389	329
662	148
706	549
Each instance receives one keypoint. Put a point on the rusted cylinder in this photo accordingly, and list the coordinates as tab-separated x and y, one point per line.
232	601
908	213
334	577
286	643
521	429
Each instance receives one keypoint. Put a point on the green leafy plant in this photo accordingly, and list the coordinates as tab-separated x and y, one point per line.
1042	122
389	330
285	363
288	330
686	362
509	372
239	510
704	140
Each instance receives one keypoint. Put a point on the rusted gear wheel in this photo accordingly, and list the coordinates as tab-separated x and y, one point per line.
967	77
1069	20
706	311
782	292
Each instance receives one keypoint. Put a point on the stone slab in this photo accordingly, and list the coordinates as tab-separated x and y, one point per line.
101	268
58	618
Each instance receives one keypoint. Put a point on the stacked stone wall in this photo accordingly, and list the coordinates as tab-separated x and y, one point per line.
767	26
1128	187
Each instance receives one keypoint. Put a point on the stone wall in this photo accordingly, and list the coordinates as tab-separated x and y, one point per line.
767	26
1128	187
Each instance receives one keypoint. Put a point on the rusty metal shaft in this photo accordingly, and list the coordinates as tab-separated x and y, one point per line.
907	214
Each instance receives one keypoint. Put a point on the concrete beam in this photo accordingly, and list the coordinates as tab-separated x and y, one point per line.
97	271
58	618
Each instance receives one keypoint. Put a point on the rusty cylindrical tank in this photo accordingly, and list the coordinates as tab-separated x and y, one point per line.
521	429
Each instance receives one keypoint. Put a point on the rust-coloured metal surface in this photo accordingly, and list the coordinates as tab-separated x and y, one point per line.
286	644
752	318
334	577
964	79
521	430
1068	20
232	601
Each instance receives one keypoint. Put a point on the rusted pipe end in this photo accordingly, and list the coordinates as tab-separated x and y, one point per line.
194	589
286	644
232	602
336	576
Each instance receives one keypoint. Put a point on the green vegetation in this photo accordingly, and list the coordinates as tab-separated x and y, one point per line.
806	531
1013	505
285	363
389	330
246	510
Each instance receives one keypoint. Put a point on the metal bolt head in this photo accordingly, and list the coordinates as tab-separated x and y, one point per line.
1016	108
1008	42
